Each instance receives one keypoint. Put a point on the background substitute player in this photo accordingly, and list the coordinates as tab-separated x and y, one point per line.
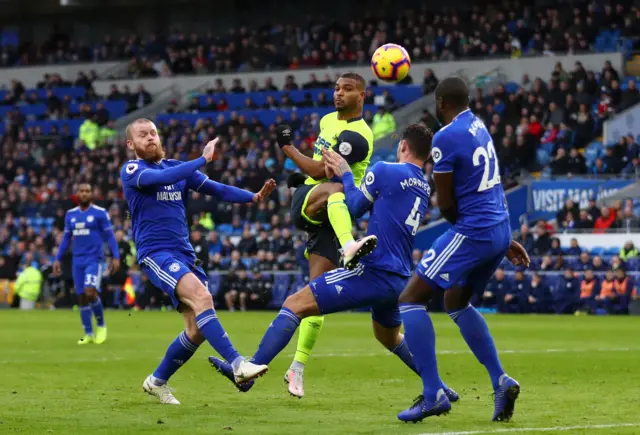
90	227
318	205
155	190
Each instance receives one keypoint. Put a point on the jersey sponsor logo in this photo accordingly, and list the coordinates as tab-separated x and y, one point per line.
369	179
445	276
345	148
169	196
79	229
339	289
90	219
174	267
131	168
436	154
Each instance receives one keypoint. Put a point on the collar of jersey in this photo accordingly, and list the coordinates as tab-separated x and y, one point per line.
461	113
357	118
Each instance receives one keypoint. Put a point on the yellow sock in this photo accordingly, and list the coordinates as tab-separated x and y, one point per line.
340	218
309	331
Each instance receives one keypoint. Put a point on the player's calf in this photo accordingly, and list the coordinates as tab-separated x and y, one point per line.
192	293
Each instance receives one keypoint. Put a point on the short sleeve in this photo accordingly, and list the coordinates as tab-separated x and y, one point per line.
352	146
130	174
443	153
67	223
196	181
105	222
373	181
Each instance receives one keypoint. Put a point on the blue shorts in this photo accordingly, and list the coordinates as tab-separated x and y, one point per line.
455	259
86	276
164	270
342	290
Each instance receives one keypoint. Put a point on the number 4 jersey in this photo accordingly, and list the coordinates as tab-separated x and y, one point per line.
400	196
465	148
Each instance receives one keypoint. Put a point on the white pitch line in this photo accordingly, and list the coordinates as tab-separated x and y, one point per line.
536	429
464	352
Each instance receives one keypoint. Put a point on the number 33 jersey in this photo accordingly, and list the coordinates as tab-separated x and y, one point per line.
400	196
465	148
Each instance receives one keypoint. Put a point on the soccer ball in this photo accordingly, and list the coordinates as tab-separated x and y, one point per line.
390	63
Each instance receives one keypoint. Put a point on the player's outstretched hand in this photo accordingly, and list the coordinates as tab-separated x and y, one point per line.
335	162
517	255
210	150
115	265
57	270
284	135
266	190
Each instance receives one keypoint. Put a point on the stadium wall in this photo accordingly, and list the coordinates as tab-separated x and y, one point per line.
607	241
31	75
624	123
513	69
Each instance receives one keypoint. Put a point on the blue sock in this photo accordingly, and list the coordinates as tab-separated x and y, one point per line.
402	351
476	333
277	336
85	316
215	334
177	355
98	311
421	342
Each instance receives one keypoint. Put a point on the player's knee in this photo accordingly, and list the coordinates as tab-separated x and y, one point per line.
388	337
91	294
201	300
302	304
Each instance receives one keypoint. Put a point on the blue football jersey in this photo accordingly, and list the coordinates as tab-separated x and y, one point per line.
400	196
89	230
158	215
465	148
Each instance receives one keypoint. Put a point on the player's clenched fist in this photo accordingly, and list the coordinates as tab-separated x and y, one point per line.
266	190
210	149
284	135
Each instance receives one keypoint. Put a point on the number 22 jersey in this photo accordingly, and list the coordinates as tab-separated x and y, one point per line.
465	148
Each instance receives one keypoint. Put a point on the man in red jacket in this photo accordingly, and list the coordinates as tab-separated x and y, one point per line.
605	221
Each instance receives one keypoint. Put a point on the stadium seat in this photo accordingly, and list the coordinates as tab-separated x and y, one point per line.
215	282
598	250
543	157
612	251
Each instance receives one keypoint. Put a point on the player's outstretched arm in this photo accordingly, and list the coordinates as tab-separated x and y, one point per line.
313	168
358	200
230	193
153	177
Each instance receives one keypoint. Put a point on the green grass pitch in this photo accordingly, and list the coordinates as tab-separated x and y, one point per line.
579	375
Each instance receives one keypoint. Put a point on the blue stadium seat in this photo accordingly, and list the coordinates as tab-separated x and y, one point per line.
612	251
634	264
279	291
597	250
225	228
543	157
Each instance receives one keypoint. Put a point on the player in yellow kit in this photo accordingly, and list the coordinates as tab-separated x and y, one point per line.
318	205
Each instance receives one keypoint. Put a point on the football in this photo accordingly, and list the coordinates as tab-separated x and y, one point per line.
390	63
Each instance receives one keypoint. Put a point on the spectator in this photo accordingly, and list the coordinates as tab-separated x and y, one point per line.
608	296
429	83
628	251
539	298
627	221
566	296
542	244
496	289
525	238
514	300
605	221
585	221
589	289
28	286
383	123
238	282
574	248
201	249
599	265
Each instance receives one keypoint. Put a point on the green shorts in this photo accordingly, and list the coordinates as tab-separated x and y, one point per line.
321	239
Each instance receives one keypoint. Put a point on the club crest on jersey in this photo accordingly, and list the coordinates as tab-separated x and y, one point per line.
90	219
174	267
436	154
131	168
345	148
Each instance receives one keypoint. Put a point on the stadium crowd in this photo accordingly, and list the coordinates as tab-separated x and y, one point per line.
508	29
